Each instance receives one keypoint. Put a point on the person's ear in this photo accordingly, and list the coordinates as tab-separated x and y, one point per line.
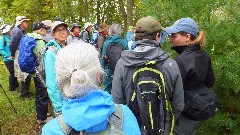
188	37
158	37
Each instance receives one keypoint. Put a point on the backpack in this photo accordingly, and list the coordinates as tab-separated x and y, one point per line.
200	104
149	100
27	60
40	71
115	125
113	54
94	39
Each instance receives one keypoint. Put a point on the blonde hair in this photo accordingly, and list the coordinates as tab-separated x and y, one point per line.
77	65
200	39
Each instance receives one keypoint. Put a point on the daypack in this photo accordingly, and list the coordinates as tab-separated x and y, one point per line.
200	104
40	71
113	54
115	125
149	100
94	39
27	60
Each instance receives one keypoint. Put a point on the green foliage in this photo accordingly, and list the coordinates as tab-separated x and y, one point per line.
218	18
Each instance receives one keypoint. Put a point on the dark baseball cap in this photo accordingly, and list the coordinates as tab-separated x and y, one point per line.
39	25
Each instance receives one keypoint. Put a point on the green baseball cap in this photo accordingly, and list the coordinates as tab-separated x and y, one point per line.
148	25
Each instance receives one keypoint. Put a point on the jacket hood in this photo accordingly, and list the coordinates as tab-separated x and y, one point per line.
89	112
144	51
53	42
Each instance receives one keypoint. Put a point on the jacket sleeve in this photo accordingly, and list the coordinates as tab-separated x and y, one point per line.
85	36
15	40
117	85
174	87
130	124
2	51
209	81
100	41
102	61
69	39
51	81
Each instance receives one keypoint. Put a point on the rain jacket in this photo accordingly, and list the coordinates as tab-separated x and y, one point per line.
90	113
111	39
5	50
51	81
144	52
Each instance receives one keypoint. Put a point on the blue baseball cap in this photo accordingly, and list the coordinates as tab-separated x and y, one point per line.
184	24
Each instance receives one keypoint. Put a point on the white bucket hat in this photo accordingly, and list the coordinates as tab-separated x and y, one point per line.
5	28
57	23
20	19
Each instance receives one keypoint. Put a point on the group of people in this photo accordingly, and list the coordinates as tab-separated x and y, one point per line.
74	68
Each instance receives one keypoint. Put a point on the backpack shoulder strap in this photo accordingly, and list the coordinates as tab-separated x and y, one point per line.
116	119
5	41
66	128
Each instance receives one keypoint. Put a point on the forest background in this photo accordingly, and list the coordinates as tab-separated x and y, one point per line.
218	18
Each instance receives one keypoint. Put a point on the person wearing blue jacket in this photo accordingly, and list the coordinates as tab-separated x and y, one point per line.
86	107
59	32
114	37
5	53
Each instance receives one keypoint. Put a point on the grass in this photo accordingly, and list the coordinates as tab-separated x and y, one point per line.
23	122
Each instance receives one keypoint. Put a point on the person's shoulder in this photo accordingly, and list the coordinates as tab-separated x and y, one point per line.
51	128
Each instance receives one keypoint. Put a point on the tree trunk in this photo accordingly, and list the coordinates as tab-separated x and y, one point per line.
124	15
130	4
58	9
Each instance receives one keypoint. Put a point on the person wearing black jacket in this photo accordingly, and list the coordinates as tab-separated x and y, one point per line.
194	64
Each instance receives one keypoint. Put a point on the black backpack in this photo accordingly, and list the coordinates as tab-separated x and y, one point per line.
113	54
201	103
149	100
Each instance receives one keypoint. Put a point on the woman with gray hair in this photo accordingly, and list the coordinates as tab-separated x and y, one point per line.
114	38
86	107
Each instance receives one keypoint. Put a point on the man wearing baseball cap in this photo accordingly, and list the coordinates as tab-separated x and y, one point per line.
138	70
17	33
41	98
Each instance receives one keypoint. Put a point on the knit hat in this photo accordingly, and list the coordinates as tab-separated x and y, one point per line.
77	66
148	25
5	28
184	24
102	27
20	19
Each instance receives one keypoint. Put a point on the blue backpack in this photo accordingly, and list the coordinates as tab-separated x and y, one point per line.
27	60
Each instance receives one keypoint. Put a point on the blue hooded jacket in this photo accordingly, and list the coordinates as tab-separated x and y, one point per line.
90	113
51	80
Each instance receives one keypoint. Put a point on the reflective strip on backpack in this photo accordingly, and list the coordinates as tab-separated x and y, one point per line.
150	112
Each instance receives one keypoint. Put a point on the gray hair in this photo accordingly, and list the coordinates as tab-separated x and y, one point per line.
77	66
115	29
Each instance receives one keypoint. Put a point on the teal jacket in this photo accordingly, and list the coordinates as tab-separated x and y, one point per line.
112	39
51	80
90	113
5	51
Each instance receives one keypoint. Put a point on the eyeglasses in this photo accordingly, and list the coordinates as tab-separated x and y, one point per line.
61	30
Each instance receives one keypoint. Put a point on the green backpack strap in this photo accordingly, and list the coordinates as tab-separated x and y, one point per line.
66	128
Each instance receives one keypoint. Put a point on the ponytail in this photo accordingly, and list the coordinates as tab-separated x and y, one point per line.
200	39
